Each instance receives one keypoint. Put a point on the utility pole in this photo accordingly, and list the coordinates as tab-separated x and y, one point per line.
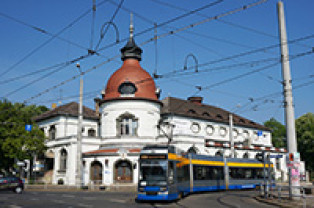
231	134
78	176
289	108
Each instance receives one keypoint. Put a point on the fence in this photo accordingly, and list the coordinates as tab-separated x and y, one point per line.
282	192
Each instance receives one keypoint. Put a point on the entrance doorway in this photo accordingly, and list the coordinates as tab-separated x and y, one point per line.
123	172
96	172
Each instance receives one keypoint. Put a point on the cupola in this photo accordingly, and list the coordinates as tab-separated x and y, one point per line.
131	81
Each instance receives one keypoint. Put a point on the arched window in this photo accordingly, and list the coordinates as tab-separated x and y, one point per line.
191	111
206	114
63	160
91	132
123	171
52	132
246	155
219	116
127	125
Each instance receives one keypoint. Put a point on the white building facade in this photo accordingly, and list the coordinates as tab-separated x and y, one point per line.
129	116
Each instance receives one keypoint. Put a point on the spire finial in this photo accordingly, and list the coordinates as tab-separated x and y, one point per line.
131	25
131	50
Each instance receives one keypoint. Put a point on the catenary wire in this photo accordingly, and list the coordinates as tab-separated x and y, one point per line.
47	41
111	20
148	41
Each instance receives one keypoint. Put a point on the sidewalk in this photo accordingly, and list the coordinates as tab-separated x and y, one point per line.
281	199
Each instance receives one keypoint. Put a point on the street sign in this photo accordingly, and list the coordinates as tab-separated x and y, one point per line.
275	156
28	127
20	163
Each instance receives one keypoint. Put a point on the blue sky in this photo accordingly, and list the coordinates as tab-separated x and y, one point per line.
24	50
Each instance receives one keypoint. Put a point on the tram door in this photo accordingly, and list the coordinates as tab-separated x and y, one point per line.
123	172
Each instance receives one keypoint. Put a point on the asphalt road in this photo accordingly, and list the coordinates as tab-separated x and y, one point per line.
36	199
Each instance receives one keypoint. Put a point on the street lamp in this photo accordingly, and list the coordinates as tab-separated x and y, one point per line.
231	138
168	132
231	134
78	175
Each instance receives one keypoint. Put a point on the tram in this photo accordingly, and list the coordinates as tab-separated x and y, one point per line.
167	173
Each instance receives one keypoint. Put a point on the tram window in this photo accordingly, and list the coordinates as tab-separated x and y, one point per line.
259	173
241	173
180	174
208	173
170	172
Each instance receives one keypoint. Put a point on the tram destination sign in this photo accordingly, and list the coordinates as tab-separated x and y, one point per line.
275	156
145	157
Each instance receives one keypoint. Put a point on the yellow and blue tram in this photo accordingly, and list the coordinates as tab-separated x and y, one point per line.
166	173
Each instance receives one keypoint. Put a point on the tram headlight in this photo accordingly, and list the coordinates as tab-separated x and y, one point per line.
163	189
143	183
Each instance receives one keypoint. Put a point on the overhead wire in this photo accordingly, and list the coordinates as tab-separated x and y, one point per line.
93	25
160	24
254	71
253	30
152	39
244	54
111	20
47	41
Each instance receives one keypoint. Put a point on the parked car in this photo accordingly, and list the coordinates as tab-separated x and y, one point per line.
12	183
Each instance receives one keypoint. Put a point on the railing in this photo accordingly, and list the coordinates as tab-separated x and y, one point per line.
282	191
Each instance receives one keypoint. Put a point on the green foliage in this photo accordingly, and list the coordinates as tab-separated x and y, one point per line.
305	137
305	134
278	132
15	141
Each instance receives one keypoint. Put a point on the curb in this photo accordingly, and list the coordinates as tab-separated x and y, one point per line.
276	203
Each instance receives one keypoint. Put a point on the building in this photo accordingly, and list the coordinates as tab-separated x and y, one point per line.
130	115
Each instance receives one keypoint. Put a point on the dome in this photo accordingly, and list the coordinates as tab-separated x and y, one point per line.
130	81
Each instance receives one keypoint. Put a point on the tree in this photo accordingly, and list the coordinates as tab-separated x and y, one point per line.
278	132
305	138
15	142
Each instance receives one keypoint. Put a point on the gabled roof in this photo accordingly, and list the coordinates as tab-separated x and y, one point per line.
70	109
187	108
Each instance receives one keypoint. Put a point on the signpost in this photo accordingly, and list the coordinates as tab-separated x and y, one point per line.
28	127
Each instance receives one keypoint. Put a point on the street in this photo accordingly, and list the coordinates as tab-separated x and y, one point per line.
34	199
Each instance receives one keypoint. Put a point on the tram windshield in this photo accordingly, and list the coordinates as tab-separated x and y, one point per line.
154	170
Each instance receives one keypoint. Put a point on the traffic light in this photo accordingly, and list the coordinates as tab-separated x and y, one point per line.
291	157
260	156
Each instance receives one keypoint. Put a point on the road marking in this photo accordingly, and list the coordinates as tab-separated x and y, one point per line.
117	200
34	199
68	195
58	201
84	205
14	206
89	197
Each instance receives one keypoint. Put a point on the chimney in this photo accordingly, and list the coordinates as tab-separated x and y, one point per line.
97	101
196	100
103	93
53	105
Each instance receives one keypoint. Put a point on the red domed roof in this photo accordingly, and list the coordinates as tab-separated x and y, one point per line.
131	73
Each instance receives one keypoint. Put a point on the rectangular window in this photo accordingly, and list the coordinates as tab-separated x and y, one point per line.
208	173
